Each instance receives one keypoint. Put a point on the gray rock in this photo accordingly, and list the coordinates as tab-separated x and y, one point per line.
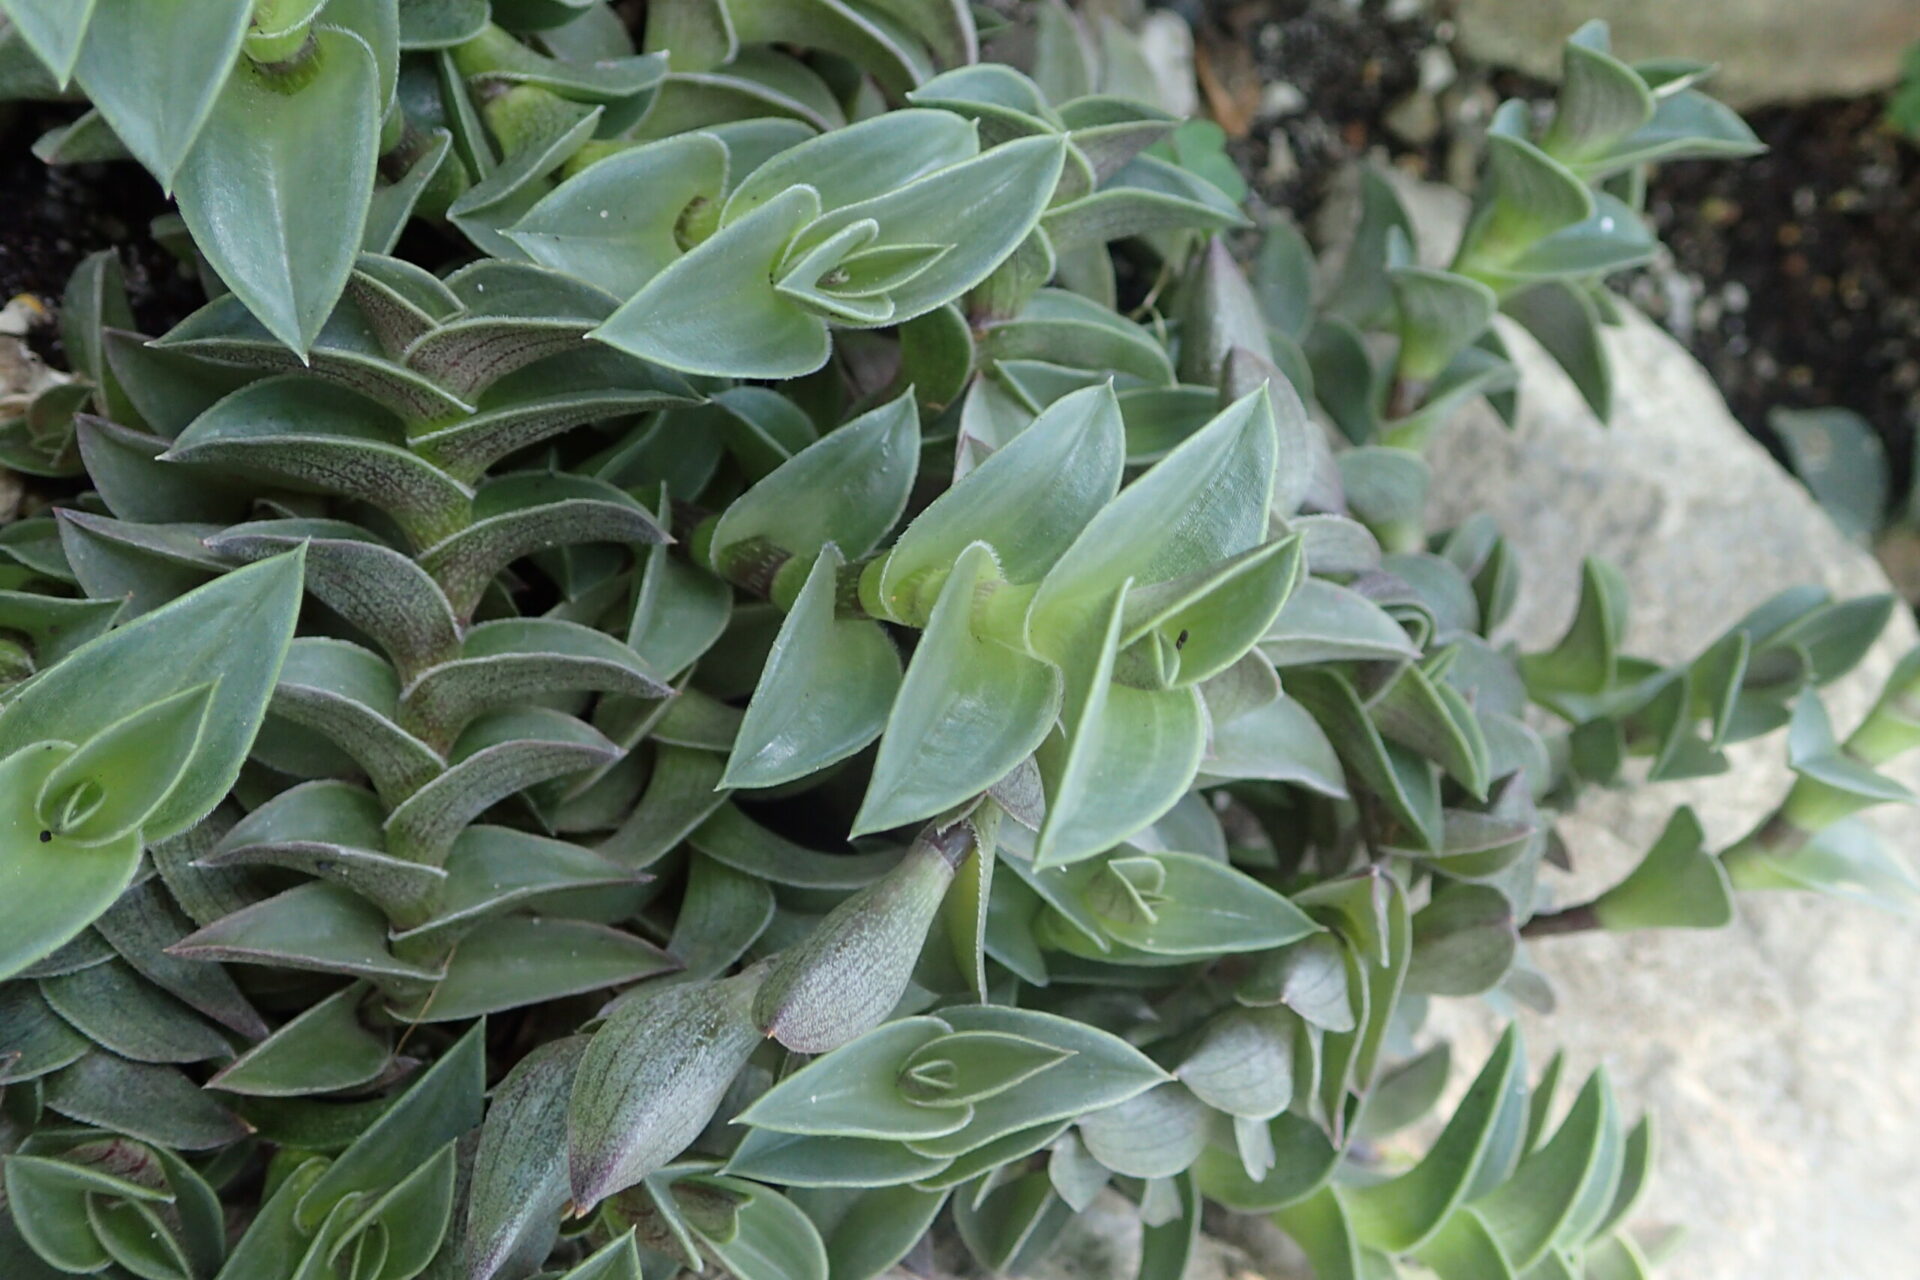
1166	42
1777	1056
1768	50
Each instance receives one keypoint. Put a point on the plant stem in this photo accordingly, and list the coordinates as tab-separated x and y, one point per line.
1579	918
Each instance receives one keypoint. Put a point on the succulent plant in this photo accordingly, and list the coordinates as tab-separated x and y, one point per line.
837	651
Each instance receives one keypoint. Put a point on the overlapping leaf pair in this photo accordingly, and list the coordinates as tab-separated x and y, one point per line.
1087	635
131	738
1178	765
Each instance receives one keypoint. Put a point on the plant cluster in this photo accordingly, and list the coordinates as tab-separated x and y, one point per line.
804	655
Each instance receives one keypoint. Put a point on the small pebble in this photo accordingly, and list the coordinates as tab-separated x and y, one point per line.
1436	69
1282	98
1415	119
1282	165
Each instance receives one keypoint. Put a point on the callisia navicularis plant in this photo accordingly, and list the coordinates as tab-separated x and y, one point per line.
737	635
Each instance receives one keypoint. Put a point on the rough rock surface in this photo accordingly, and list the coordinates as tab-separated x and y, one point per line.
1777	1056
1768	50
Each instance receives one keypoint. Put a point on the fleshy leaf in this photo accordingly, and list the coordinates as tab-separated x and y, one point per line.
324	1049
970	709
847	488
715	310
591	227
158	99
824	693
1679	884
855	1091
1127	754
650	1080
1028	501
520	1169
276	189
847	975
1231	461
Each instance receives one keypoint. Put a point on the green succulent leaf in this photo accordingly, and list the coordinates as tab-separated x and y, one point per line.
619	1260
53	30
1066	329
1402	780
348	352
505	189
765	1236
110	785
1279	741
500	753
512	660
147	1101
847	975
109	695
158	100
729	836
792	1160
1001	192
1231	459
880	1228
1105	1071
528	960
1586	659
860	162
1464	941
651	1078
1029	500
969	710
317	926
861	1090
847	488
1440	315
1129	754
520	1169
589	227
715	310
1562	317
1301	1161
1558	1192
39	1041
956	1070
1684	124
1155	1134
792	728
120	1011
1679	884
1602	102
1149	194
327	440
277	187
1242	1063
1185	904
326	1048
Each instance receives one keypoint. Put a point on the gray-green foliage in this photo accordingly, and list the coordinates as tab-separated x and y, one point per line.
848	724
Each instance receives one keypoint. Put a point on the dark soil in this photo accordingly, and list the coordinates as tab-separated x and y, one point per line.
1798	272
1794	277
1303	86
53	216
